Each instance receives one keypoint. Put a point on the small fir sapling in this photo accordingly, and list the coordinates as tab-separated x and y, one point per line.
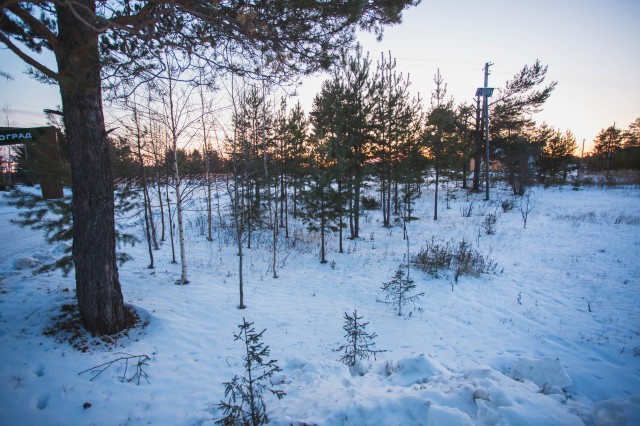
398	291
489	224
246	404
360	344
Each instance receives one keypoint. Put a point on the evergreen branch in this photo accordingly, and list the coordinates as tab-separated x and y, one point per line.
36	26
28	59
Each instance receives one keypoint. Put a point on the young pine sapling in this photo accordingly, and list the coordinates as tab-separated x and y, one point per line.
489	224
360	344
398	291
246	405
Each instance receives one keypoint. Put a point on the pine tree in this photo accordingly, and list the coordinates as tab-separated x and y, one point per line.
608	144
322	201
631	136
398	291
393	118
556	153
441	131
511	124
328	129
341	115
463	149
294	137
360	344
246	404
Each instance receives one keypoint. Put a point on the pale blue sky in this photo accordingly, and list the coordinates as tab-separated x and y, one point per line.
592	49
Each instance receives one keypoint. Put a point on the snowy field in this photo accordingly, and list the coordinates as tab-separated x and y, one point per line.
552	336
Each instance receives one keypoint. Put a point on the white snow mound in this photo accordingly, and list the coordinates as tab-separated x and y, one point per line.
617	411
545	372
414	370
416	390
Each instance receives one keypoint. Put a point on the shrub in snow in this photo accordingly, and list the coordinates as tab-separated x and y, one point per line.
246	405
489	224
508	205
526	205
467	209
360	344
436	257
369	203
398	291
467	261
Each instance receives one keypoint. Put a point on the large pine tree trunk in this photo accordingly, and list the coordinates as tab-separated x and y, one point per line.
94	252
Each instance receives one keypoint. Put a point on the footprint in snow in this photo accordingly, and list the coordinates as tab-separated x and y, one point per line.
40	371
43	401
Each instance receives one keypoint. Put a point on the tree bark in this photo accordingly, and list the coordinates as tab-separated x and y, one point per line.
94	250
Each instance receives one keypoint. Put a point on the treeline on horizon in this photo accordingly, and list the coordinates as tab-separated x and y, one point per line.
364	124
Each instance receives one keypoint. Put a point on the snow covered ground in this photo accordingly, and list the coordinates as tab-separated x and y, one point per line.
552	336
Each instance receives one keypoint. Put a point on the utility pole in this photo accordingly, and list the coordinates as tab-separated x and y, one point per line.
581	159
485	107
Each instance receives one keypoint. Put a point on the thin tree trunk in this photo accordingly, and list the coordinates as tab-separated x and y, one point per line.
322	227
275	236
273	208
156	166
464	173
160	202
283	190
152	225
356	203
209	212
145	193
183	257
477	155
173	247
207	164
148	213
286	216
435	202
99	294
341	213
238	209
295	201
173	128
396	197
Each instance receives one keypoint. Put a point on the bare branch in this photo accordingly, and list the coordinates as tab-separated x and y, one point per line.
140	362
